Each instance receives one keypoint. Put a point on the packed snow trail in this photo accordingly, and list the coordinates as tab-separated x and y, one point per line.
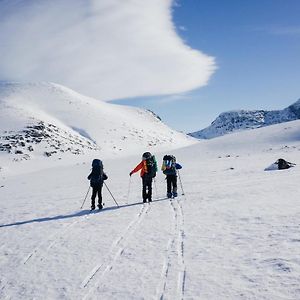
174	269
116	249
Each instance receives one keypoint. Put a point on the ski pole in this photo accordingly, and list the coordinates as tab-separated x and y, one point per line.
129	184
85	197
155	187
181	184
111	194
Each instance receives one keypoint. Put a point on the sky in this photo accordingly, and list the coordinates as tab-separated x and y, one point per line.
187	61
256	46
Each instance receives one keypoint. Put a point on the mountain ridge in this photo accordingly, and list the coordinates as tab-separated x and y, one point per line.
47	119
237	120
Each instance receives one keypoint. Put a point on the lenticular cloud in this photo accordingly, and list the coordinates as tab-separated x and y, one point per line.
104	48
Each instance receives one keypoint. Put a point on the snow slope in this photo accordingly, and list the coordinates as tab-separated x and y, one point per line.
239	120
233	235
46	119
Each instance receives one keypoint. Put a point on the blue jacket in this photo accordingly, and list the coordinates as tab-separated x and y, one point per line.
170	169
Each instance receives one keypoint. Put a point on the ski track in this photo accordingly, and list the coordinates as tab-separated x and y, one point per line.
42	247
181	251
115	252
174	261
52	240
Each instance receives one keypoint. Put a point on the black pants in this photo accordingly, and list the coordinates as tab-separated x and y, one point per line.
147	188
171	184
97	190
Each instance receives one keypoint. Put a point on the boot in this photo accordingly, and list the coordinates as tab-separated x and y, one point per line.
175	192
169	195
93	204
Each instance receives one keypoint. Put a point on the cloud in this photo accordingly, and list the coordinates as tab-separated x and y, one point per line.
174	98
108	49
183	28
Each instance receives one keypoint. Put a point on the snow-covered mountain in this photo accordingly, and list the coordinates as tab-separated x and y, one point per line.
47	119
234	234
231	121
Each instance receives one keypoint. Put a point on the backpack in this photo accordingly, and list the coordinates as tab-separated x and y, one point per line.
96	178
151	166
169	165
97	163
146	155
283	164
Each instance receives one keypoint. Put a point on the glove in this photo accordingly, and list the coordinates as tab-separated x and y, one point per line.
130	174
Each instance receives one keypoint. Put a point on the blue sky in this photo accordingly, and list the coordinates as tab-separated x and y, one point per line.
256	45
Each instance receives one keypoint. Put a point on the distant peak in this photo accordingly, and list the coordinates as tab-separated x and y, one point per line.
237	120
297	103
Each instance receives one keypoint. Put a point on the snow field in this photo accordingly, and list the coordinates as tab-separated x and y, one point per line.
233	235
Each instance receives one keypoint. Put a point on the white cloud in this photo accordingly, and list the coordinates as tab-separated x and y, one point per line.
183	28
105	48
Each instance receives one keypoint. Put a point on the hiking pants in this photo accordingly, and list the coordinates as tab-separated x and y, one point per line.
171	184
147	188
97	190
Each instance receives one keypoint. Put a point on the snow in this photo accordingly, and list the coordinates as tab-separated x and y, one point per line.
240	120
74	124
233	235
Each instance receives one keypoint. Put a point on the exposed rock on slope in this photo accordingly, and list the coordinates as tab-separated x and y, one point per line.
231	121
48	119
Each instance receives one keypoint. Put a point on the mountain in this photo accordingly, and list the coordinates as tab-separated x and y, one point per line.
49	120
234	234
232	121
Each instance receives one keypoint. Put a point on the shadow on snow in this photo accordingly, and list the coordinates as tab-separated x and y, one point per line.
75	214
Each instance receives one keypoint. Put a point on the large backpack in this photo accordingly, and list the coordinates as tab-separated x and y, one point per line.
151	166
283	164
169	163
97	173
97	163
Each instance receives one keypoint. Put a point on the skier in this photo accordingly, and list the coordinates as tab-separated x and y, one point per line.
148	167
169	168
96	178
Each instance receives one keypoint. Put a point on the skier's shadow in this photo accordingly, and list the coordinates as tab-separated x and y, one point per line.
46	219
73	215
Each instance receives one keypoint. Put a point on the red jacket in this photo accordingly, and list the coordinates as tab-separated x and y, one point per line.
141	166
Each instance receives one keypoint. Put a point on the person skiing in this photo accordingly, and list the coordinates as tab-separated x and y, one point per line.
148	167
96	178
169	168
